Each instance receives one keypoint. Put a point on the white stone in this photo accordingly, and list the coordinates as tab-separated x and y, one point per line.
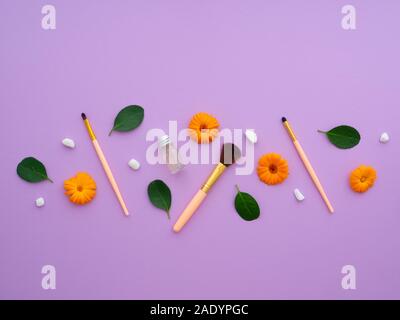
134	164
384	137
39	202
299	196
251	135
69	143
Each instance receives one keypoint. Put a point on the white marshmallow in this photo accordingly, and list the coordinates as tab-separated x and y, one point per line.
251	135
69	143
39	202
384	137
299	196
134	164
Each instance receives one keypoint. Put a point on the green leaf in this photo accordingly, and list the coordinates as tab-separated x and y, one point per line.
246	206
343	137
160	195
32	170
128	118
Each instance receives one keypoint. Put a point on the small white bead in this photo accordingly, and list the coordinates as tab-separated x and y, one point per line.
384	137
251	135
39	202
134	164
69	143
299	196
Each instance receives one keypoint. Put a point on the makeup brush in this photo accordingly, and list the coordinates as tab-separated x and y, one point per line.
229	155
105	165
307	164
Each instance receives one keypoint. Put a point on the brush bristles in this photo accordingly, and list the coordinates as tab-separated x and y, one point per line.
83	116
229	154
284	119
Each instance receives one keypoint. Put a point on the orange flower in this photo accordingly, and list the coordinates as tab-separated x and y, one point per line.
81	188
203	127
362	178
272	168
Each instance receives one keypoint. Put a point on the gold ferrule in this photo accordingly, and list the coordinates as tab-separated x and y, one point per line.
289	130
219	169
90	130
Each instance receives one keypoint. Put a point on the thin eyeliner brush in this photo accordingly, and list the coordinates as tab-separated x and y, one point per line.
307	164
105	164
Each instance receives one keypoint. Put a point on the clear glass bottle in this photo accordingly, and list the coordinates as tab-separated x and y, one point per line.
169	154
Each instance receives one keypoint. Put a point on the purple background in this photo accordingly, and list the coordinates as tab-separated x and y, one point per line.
246	62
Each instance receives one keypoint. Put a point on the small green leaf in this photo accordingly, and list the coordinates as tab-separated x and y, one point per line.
128	118
160	195
343	137
32	170
246	206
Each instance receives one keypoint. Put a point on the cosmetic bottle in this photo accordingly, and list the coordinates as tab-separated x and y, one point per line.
169	154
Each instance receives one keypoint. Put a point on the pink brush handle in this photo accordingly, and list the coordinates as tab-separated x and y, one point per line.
190	210
110	176
313	175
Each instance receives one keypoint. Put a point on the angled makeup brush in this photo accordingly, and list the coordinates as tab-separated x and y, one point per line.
229	155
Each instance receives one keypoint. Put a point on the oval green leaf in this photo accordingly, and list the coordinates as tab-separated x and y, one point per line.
160	195
343	137
128	118
32	170
246	206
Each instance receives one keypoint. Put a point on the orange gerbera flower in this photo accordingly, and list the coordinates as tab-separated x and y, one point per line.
81	188
362	178
203	127
272	169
